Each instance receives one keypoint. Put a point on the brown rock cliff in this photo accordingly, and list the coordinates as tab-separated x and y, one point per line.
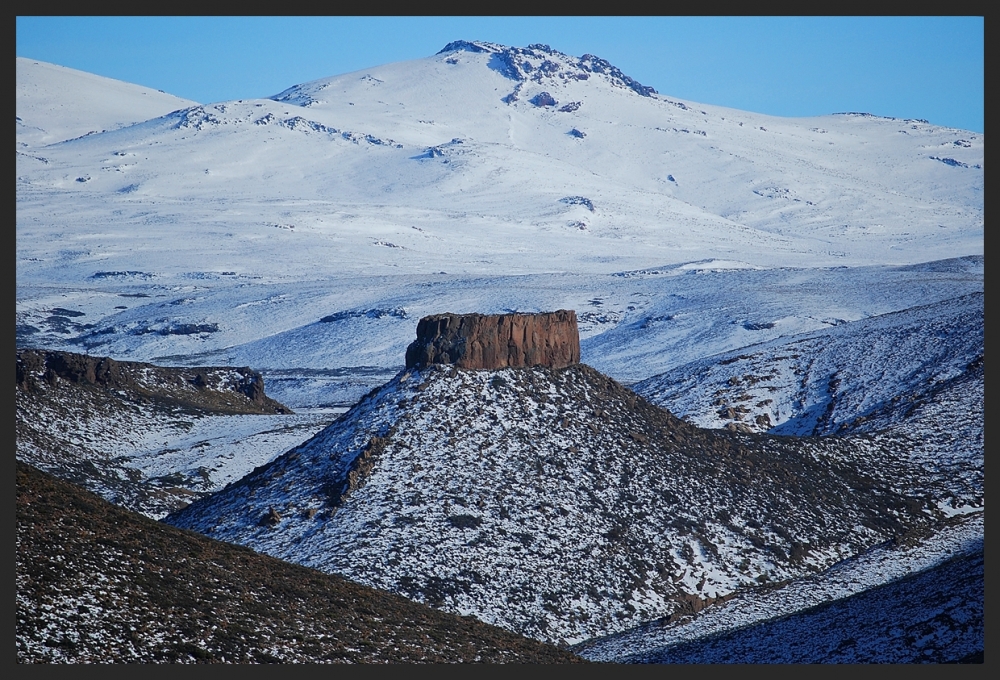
491	341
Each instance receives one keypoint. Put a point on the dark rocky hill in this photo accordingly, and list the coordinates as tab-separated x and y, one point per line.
213	389
99	584
561	505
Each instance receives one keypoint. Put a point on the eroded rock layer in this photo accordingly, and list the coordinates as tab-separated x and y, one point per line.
216	389
493	341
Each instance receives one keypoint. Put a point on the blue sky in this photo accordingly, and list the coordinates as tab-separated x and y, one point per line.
908	67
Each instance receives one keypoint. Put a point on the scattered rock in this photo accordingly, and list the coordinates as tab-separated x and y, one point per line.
578	200
271	518
543	99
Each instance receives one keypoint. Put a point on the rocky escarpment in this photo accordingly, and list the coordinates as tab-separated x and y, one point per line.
493	341
221	390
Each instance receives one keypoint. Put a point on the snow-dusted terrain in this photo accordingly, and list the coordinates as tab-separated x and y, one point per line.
55	104
374	198
791	276
147	438
557	504
715	636
802	385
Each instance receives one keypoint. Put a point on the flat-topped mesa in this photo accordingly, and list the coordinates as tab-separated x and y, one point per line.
491	341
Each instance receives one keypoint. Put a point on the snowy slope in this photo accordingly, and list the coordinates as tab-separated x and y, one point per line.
917	602
678	315
147	438
55	103
560	505
849	377
330	341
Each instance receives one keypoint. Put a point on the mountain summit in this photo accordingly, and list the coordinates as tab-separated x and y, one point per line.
496	340
541	64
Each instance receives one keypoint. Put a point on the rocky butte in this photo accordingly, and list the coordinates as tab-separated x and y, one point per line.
492	341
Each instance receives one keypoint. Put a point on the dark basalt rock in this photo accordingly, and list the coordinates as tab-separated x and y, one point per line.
220	389
543	99
492	341
516	63
578	200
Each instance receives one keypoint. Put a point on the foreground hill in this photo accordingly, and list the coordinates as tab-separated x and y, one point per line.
561	505
99	584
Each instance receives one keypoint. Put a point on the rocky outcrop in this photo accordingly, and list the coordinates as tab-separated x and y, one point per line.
216	389
544	99
492	341
539	63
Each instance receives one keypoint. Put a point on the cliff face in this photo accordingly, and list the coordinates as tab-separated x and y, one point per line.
215	389
492	341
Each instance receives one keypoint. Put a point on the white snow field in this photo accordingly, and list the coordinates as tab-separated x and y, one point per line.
419	187
836	260
55	103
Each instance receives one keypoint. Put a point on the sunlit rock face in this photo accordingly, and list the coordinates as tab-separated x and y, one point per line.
492	341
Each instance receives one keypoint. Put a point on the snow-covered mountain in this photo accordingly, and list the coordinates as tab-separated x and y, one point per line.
374	198
55	103
825	273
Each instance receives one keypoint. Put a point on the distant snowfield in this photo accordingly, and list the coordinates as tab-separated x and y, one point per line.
374	196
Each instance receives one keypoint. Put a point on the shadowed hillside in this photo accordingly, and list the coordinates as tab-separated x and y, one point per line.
99	584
